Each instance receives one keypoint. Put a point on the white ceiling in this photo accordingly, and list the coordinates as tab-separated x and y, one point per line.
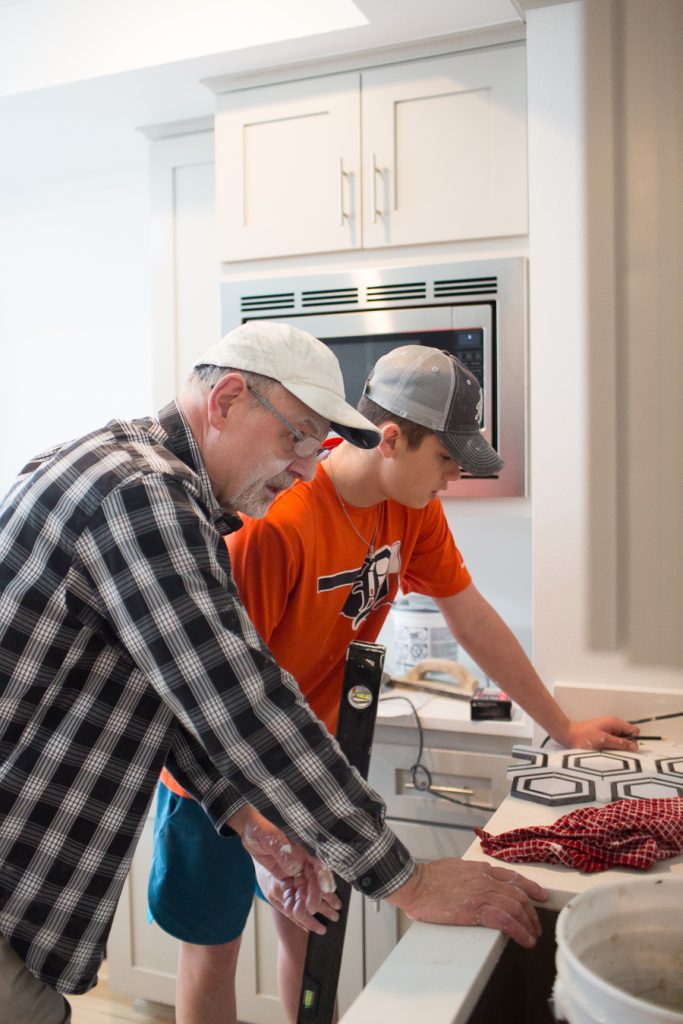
78	76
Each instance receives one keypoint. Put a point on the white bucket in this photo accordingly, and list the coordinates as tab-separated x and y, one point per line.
420	632
620	954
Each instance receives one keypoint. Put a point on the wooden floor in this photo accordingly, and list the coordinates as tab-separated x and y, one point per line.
102	1006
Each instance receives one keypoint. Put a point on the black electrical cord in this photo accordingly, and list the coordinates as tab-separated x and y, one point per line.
420	774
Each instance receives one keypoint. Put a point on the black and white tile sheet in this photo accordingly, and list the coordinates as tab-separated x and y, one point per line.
561	777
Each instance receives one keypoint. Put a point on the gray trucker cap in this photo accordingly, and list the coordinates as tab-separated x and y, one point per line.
431	387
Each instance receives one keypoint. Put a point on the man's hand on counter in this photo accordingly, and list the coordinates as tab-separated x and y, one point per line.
608	733
453	891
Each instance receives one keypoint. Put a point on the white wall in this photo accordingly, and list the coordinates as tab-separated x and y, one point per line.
558	359
74	309
494	537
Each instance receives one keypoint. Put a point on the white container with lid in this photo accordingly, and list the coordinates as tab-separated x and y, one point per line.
419	632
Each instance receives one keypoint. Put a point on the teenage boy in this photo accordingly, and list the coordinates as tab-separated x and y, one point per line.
320	570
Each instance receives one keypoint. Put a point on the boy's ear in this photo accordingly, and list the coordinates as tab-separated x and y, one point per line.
391	438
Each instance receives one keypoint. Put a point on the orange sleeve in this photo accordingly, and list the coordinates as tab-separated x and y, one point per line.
435	566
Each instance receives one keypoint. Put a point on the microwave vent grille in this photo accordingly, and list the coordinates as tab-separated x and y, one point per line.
254	303
330	297
403	291
466	286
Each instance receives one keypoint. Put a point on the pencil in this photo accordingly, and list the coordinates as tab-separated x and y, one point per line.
655	718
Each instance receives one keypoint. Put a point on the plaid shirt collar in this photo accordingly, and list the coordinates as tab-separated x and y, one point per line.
182	443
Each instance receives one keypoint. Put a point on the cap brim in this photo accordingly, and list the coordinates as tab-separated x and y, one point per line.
344	419
472	452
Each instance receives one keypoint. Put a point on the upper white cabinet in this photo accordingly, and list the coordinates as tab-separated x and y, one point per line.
422	151
444	149
288	168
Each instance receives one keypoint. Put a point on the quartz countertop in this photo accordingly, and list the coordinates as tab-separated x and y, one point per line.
439	971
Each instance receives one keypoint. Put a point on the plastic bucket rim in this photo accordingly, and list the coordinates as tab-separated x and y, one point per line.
656	1013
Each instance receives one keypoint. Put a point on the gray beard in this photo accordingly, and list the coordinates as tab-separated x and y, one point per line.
251	500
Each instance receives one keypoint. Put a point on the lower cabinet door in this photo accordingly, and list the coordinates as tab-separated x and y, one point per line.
141	958
257	998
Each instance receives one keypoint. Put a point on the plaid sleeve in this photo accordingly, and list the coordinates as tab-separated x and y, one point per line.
192	768
160	571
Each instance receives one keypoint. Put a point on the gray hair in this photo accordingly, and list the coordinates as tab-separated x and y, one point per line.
208	375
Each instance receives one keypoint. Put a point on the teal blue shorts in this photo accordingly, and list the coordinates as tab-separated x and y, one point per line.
201	884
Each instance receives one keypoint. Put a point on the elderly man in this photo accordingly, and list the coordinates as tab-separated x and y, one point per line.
125	647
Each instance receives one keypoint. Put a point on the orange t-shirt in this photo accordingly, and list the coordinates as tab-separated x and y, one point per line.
309	589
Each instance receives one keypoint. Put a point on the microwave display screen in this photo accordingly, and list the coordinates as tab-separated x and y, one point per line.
357	354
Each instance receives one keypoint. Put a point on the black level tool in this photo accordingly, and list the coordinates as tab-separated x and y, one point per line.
357	713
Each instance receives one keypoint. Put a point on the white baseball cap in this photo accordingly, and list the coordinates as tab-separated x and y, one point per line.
302	364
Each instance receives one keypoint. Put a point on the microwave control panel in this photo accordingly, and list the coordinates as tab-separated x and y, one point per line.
468	347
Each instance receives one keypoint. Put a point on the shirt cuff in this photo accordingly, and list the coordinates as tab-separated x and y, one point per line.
384	868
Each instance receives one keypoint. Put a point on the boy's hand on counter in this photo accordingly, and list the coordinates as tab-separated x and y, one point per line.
609	733
453	891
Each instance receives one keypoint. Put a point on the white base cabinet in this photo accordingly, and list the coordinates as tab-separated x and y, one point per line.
414	152
142	958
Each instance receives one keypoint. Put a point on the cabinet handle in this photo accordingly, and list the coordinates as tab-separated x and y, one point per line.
374	171
460	790
342	174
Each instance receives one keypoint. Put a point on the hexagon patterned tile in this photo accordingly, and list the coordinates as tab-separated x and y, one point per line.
558	777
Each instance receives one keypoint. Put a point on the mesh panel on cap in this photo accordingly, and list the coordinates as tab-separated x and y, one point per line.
417	386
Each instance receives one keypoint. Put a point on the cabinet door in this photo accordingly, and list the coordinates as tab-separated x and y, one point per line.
287	168
183	257
141	957
444	148
257	998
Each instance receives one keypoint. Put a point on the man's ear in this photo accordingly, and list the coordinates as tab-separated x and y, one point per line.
391	438
229	390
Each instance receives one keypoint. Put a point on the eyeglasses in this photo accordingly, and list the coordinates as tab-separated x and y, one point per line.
305	445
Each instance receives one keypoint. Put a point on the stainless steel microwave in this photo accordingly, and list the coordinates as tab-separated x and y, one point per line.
476	310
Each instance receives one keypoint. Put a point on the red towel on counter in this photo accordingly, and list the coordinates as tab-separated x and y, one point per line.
630	833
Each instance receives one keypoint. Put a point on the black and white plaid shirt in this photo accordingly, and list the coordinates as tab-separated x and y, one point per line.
124	646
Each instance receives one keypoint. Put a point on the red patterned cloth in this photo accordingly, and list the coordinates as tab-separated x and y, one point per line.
630	833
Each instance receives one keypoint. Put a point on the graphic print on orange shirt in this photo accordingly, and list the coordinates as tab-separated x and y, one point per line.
369	583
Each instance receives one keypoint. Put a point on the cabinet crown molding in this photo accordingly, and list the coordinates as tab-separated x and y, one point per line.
436	47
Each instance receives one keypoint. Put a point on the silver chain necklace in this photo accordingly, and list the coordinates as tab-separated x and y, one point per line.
369	544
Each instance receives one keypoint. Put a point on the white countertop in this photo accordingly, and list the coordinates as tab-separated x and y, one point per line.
440	972
560	882
445	713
